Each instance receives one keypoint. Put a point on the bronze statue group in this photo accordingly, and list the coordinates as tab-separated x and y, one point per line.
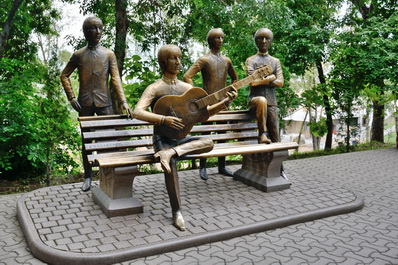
97	66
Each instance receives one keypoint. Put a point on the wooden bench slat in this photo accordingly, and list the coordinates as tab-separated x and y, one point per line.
231	117
245	149
111	145
132	160
244	111
117	145
100	135
110	137
150	151
116	134
231	136
91	158
102	117
114	123
236	148
106	121
223	127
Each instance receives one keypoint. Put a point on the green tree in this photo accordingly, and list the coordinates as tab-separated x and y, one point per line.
374	29
306	40
18	20
7	24
239	21
345	83
312	100
36	133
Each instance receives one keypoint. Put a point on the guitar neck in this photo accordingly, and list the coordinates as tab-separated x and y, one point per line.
222	93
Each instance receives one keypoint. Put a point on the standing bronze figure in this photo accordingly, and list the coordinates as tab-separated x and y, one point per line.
262	98
215	69
169	149
95	64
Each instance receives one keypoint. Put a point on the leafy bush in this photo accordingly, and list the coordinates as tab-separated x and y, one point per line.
37	135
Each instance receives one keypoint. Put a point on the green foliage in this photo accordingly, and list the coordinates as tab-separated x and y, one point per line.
34	15
154	23
318	128
241	101
59	137
364	58
309	32
37	135
313	96
105	10
36	132
339	150
17	118
239	21
140	76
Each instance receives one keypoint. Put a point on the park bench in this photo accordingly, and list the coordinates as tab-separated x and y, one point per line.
117	145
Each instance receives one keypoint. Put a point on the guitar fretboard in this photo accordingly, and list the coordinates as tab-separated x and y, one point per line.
222	93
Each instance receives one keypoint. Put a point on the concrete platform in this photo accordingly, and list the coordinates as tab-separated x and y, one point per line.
63	225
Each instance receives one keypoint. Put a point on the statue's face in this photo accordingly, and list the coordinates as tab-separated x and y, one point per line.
216	40
264	40
94	31
173	62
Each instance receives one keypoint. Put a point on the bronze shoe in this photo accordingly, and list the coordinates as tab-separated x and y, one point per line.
165	156
178	221
263	139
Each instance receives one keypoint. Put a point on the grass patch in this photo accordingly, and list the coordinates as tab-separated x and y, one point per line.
340	150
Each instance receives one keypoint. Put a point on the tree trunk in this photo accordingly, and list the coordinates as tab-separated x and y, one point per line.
328	109
302	127
396	131
348	132
120	44
396	125
6	26
367	124
378	122
121	33
315	140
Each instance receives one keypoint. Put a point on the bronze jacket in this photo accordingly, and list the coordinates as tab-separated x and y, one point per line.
214	69
267	91
95	65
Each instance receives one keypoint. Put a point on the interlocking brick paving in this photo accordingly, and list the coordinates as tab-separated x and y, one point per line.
76	225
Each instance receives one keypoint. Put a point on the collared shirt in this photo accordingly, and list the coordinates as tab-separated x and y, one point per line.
95	64
214	68
267	91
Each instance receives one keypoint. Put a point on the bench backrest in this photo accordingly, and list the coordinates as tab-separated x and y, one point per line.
113	133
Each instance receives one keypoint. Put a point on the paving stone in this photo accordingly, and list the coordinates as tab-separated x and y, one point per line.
364	237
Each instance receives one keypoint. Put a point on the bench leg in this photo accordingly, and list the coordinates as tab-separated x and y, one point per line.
115	193
263	171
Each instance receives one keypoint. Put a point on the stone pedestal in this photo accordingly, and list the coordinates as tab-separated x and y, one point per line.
263	171
115	193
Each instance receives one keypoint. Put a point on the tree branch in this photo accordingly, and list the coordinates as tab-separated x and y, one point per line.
7	26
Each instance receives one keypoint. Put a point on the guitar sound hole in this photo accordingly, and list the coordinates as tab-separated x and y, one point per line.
192	106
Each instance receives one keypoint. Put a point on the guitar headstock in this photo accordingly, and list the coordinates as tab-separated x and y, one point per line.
262	72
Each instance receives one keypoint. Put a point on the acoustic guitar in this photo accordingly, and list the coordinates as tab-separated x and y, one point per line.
191	106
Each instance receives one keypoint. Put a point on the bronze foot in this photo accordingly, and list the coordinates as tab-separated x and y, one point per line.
178	221
86	184
225	171
165	156
203	173
263	139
